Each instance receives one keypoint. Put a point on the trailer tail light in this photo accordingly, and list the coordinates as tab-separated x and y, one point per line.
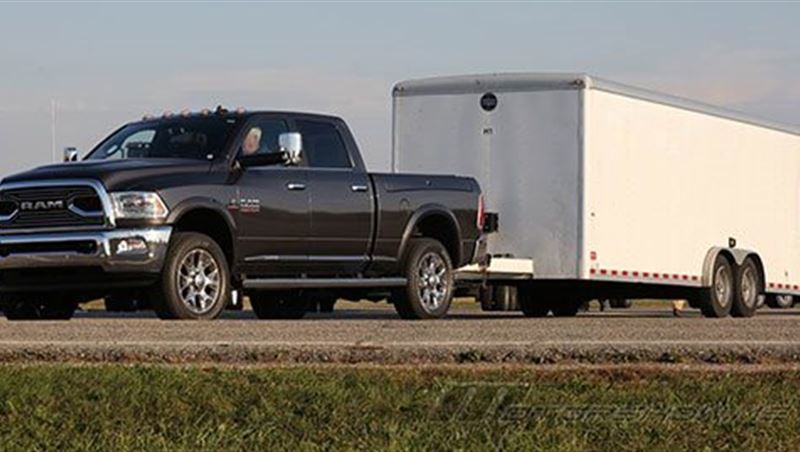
481	211
487	221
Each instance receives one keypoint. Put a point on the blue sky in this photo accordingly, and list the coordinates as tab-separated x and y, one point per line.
106	64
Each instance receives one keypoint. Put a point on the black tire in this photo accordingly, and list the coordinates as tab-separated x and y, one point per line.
431	298
38	307
780	301
716	301
119	303
620	303
748	289
188	252
327	305
530	305
277	305
500	298
566	307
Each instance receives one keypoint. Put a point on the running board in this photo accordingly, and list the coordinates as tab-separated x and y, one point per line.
322	283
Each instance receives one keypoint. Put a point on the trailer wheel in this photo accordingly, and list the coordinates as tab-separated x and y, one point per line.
431	281
780	301
530	305
278	305
748	288
717	300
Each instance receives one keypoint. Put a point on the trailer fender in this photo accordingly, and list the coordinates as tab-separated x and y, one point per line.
736	255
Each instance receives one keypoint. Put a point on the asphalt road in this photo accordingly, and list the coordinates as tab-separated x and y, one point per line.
362	333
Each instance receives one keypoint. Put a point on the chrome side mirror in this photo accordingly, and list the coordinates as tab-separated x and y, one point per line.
71	154
291	144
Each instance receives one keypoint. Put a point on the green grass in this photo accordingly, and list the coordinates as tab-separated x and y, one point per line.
191	408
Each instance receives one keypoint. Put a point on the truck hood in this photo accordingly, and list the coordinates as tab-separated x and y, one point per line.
126	174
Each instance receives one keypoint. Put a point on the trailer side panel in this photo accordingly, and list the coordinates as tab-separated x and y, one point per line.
664	184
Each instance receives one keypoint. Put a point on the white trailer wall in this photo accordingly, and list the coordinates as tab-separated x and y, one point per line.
663	184
525	154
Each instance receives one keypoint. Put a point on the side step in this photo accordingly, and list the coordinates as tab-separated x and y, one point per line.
322	283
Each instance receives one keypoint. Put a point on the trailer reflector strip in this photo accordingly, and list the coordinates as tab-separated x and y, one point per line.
607	273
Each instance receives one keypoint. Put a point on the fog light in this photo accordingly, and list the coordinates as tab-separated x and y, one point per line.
131	246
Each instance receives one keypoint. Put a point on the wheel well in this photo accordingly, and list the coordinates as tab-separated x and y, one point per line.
210	223
441	228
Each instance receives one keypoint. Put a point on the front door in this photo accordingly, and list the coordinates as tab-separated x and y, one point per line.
273	210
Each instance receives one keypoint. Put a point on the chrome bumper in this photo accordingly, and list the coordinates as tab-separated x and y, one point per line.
31	250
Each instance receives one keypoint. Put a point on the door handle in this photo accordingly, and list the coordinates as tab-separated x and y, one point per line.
359	188
294	186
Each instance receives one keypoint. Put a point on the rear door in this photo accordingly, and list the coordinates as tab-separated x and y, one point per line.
273	207
341	200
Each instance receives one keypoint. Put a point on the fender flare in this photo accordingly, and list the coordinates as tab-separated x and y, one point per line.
422	213
190	204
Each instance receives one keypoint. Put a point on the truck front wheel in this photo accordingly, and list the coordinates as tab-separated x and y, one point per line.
429	290
39	307
196	281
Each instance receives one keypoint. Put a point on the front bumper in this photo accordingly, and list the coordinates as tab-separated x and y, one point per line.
101	249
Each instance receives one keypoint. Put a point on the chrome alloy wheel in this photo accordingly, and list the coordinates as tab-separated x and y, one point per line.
748	287
432	283
199	281
722	285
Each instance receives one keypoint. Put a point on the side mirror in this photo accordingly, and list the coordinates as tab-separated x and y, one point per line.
71	154
291	145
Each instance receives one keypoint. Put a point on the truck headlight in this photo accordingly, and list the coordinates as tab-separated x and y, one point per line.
139	205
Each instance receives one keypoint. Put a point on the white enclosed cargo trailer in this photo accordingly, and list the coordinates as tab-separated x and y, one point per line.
605	190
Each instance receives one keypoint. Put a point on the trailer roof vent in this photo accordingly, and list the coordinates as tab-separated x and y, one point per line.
488	102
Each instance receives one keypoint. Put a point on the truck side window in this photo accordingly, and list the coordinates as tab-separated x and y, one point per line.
262	136
322	145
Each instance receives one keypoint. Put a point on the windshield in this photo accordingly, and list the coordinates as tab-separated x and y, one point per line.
201	138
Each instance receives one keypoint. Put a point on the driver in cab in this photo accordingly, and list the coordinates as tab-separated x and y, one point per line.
252	142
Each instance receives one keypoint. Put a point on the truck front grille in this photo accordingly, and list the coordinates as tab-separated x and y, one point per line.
50	207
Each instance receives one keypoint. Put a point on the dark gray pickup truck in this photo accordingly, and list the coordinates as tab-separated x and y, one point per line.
184	213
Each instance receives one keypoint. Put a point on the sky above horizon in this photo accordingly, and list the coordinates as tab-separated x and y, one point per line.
107	64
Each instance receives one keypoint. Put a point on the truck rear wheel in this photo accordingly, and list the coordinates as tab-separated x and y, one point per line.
38	307
748	289
717	300
277	305
429	290
196	281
